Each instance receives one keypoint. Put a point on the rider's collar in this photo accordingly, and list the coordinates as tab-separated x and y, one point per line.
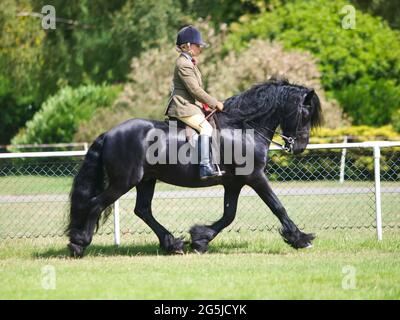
188	56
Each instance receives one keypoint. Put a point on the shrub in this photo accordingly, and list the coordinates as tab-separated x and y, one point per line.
263	59
370	102
355	134
144	96
396	120
60	115
324	164
345	57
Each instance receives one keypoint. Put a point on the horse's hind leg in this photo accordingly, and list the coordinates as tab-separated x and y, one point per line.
80	239
202	235
145	192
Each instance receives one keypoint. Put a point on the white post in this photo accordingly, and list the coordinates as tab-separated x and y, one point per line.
343	161
378	206
117	237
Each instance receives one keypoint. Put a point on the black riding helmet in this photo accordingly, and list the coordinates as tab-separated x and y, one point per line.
190	34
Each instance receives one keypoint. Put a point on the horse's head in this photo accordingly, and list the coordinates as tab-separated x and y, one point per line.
296	109
300	114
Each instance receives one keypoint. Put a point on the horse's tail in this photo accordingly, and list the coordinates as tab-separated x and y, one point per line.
88	183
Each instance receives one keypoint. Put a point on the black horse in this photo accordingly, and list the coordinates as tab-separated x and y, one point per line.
116	162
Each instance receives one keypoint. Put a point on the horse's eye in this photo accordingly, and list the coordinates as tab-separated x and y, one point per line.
306	112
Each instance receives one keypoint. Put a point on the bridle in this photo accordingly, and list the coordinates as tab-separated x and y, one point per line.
289	140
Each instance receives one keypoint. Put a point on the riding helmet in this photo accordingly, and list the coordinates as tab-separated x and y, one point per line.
190	34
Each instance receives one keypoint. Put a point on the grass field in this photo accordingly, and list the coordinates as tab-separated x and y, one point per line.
240	265
246	265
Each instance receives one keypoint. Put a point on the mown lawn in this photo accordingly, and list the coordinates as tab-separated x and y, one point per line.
245	265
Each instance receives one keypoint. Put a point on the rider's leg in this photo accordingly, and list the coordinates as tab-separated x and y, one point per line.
199	123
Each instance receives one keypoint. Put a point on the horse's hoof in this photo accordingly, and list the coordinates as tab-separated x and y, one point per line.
201	236
200	252
173	245
75	250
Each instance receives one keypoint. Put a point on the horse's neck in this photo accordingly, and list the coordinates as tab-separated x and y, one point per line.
263	130
269	125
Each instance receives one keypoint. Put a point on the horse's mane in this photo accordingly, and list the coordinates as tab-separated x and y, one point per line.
267	98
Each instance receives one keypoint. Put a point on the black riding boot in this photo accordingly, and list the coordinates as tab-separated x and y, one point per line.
206	168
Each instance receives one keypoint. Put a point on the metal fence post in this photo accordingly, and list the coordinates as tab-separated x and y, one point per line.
117	237
378	204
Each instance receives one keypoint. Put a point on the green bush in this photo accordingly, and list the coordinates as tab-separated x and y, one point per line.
370	102
396	120
355	134
346	57
324	164
60	115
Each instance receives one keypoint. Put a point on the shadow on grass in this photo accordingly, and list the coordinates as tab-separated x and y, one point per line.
153	249
97	250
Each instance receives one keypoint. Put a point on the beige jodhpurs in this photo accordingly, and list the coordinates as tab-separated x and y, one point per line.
199	123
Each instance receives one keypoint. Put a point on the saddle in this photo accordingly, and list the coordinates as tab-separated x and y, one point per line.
190	133
192	137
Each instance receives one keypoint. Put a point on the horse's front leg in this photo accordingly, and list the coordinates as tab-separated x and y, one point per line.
202	235
290	232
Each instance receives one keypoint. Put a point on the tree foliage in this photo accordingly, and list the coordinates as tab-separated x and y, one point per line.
21	59
387	9
97	40
346	56
146	95
95	46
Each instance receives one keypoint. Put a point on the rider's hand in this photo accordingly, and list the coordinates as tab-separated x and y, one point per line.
220	106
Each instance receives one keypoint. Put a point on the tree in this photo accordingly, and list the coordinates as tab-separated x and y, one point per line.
93	42
387	9
21	60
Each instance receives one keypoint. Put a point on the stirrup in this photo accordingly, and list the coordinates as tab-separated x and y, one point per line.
220	172
211	172
207	172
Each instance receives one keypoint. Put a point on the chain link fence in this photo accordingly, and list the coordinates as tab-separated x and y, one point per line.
34	195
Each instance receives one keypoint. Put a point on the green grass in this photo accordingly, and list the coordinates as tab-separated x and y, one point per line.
245	265
238	266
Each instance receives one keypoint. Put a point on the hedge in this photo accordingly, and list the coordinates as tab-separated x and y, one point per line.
60	115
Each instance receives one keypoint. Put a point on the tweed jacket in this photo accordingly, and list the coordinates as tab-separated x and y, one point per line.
187	93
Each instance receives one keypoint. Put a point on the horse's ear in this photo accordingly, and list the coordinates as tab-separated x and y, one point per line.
308	96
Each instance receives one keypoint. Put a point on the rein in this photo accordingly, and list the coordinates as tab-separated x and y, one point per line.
289	140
